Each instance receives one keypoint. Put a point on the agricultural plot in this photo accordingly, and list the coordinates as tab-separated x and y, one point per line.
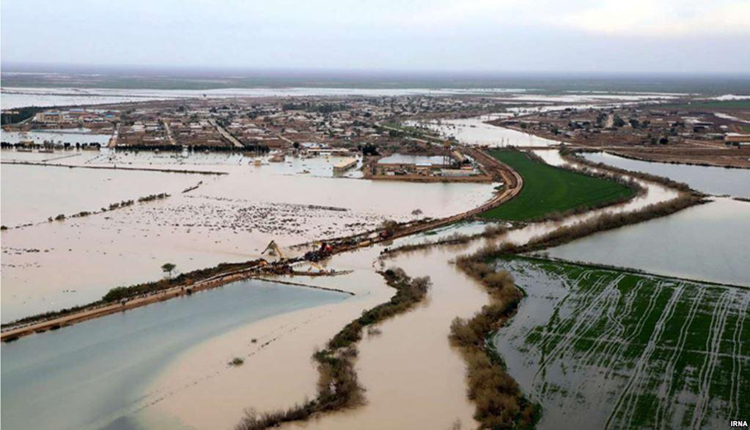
601	348
548	190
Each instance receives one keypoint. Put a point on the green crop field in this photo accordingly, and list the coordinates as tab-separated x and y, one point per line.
603	348
549	190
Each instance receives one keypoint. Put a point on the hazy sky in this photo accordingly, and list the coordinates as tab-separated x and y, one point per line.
466	35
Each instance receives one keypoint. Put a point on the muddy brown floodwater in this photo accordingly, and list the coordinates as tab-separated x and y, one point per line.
406	367
413	377
229	218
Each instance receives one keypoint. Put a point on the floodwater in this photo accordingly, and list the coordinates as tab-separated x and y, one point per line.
709	180
407	369
57	137
95	373
31	194
411	159
229	218
600	349
706	242
14	97
320	166
411	367
730	117
475	131
595	96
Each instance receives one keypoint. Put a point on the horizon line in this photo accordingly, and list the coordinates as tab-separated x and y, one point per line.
47	67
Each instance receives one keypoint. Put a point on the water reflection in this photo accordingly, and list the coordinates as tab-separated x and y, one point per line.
475	131
706	242
93	373
710	180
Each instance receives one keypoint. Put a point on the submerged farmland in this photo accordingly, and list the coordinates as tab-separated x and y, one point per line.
604	348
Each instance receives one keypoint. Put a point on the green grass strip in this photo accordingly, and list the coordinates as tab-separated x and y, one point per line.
549	190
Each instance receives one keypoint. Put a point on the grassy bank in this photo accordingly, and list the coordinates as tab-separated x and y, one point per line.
338	386
549	190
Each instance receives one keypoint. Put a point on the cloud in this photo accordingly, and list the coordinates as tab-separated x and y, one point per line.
660	18
455	13
632	18
672	35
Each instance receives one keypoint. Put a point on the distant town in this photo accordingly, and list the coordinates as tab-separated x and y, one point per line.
684	130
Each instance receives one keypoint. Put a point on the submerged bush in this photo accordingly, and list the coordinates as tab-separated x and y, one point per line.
609	221
573	156
338	385
153	197
499	402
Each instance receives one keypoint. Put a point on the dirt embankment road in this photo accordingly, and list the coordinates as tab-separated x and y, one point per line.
501	172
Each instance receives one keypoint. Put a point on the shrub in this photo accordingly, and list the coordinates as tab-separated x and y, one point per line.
498	400
338	386
116	294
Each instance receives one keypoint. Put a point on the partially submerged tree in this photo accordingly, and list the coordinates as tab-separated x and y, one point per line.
168	268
